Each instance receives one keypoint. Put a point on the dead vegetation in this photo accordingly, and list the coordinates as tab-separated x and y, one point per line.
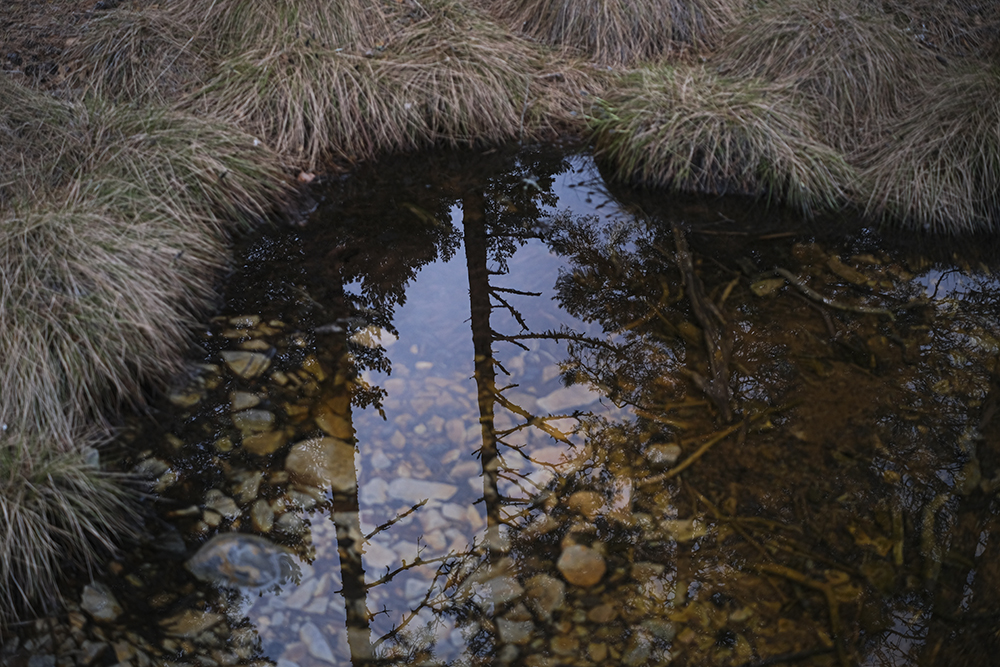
691	130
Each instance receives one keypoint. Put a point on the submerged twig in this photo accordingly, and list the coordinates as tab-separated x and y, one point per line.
813	294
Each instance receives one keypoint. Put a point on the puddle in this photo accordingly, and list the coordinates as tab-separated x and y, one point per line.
473	399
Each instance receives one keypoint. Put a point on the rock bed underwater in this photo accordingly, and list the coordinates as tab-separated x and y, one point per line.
561	485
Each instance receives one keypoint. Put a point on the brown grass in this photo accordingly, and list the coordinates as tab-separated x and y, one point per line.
688	129
139	55
938	167
58	512
39	140
848	59
951	28
622	32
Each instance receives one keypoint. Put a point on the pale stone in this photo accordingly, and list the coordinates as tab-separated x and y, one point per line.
218	501
316	643
290	524
378	557
455	430
566	398
587	503
186	398
436	540
312	366
663	455
545	594
335	425
253	421
638	650
190	623
264	444
505	589
431	519
243	400
415	490
323	462
660	628
301	596
453	511
246	485
514	632
581	566
262	516
374	492
245	321
100	602
246	365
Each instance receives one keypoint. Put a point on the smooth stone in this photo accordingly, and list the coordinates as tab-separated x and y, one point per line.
92	650
564	398
597	651
253	420
545	594
190	623
100	602
255	345
638	650
242	560
262	516
604	613
290	524
663	455
243	400
334	425
316	643
219	502
323	462
455	430
587	503
505	589
565	645
581	566
247	485
301	596
246	365
660	628
380	461
414	490
245	321
186	398
312	366
378	557
374	492
264	444
514	632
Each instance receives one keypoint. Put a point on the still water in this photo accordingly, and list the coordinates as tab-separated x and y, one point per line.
500	414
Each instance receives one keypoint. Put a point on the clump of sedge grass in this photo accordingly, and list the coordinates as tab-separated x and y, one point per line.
94	304
139	55
939	165
950	28
621	32
201	167
309	102
850	60
39	140
689	129
457	77
58	511
237	26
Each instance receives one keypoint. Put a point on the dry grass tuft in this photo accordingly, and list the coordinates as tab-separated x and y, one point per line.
849	60
691	130
138	56
621	32
94	303
39	140
58	510
310	103
952	28
939	168
457	77
237	26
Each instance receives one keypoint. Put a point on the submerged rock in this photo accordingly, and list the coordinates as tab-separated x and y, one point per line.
581	566
100	602
243	561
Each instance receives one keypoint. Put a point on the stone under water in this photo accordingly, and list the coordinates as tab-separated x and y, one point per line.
239	560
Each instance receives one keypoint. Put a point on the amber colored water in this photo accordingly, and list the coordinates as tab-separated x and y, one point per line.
769	474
